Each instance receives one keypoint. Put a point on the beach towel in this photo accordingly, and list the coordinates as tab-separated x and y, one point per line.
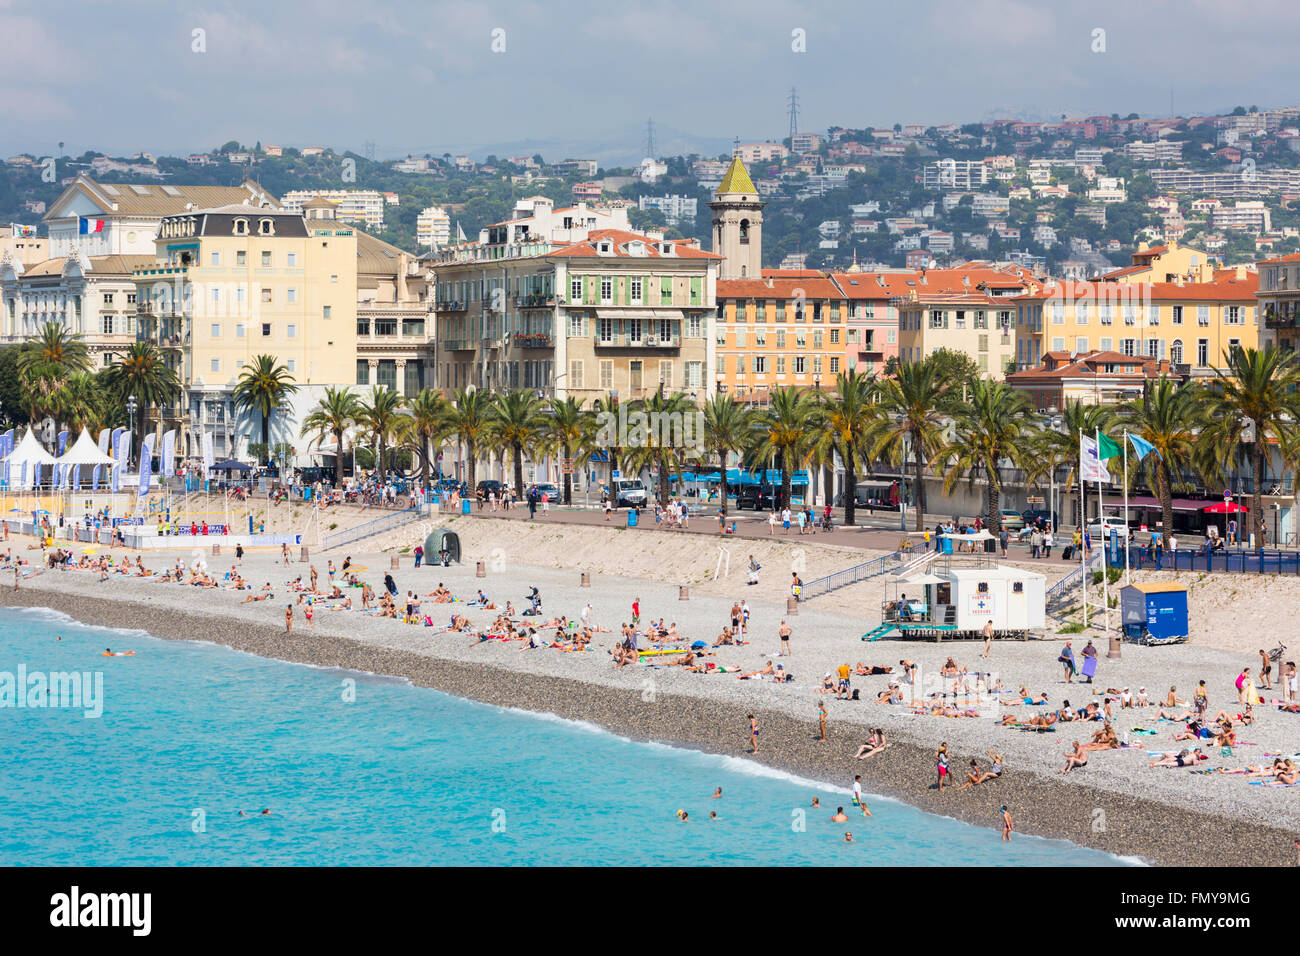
1089	666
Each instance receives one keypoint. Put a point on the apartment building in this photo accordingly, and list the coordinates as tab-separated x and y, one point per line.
572	302
1239	184
802	143
1161	151
99	233
433	227
1251	216
232	282
958	174
1093	378
365	206
871	336
752	154
26	249
1188	323
1279	301
970	321
1164	263
675	208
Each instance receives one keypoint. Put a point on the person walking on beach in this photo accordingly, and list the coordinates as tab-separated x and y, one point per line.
1265	671
239	554
636	612
821	719
284	552
1004	539
988	625
1066	659
1201	701
858	802
288	619
784	632
753	734
771	524
941	765
785	519
419	557
1007	825
1089	662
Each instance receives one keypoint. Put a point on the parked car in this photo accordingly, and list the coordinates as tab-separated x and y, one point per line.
1011	520
757	497
551	491
1034	515
1100	530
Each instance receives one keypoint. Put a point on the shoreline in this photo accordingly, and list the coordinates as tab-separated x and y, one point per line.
1122	825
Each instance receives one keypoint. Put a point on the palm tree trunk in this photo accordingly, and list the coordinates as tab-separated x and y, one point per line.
785	483
663	477
722	474
470	456
266	435
519	468
850	486
338	458
568	477
424	462
1165	480
918	490
995	514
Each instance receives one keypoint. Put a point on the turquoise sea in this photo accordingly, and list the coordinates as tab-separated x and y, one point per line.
359	769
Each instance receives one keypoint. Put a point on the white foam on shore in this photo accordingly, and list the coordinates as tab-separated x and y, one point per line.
58	617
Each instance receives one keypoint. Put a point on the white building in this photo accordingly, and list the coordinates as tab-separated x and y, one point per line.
1109	189
433	227
675	208
1250	216
955	174
651	170
354	205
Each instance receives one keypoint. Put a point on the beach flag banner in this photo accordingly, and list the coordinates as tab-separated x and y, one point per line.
94	477
209	455
7	444
63	440
168	452
115	442
1142	447
1107	448
115	478
1091	466
88	227
20	231
22	476
105	436
146	464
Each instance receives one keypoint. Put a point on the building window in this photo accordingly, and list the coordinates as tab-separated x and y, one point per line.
606	290
577	325
635	292
817	364
1202	315
266	295
575	290
740	338
1176	352
695	325
981	319
694	374
291	331
241	258
1232	315
266	329
835	336
239	330
835	365
800	364
292	259
291	295
293	365
1177	311
1128	346
780	365
817	339
936	319
1202	353
266	227
1106	344
216	330
760	364
108	298
216	365
760	337
216	258
1081	343
780	338
606	329
666	373
241	227
327	312
575	373
266	258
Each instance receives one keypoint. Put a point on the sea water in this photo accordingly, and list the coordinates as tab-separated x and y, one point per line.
360	769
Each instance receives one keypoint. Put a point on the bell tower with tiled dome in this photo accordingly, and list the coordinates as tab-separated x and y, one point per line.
738	224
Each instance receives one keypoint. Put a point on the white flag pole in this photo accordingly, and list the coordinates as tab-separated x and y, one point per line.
1083	535
1126	524
1105	566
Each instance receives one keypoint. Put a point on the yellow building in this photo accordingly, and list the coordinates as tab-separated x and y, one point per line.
783	329
238	281
1189	324
972	322
1165	263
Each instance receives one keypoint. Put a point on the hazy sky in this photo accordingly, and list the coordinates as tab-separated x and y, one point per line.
422	76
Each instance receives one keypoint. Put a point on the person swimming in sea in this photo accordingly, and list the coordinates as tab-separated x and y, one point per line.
840	816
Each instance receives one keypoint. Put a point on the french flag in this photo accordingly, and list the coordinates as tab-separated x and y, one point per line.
86	226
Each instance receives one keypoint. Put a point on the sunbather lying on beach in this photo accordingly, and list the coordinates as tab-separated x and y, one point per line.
256	597
876	742
863	670
1188	757
1103	739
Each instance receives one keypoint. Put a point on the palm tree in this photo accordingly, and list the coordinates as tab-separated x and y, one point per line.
1077	421
44	366
988	430
516	424
914	403
381	417
468	419
143	372
660	445
1167	417
263	387
336	413
86	402
1260	386
788	431
847	416
729	426
570	428
428	411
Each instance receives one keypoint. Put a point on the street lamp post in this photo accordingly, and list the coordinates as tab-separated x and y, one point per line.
130	411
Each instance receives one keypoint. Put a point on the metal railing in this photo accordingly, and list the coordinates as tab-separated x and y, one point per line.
1059	594
859	572
377	526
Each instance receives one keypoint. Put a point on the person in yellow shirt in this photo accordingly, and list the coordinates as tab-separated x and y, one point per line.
842	691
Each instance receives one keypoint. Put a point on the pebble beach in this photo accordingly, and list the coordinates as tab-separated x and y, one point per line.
1117	804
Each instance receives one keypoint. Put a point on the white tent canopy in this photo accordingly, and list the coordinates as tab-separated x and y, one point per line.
85	452
30	453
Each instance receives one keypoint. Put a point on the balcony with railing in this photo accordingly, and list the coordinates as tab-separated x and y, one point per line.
457	345
163	330
626	341
532	340
537	300
445	306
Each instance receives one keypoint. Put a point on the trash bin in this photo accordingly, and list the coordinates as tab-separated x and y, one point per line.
631	518
464	506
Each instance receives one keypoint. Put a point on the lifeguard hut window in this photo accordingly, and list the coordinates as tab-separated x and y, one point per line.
982	587
1018	587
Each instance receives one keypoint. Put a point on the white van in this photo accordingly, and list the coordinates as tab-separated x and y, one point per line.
1100	530
628	492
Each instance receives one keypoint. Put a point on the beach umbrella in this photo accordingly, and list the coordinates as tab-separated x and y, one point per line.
1224	507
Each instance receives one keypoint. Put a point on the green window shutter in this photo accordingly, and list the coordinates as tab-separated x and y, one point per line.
627	290
696	286
945	320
